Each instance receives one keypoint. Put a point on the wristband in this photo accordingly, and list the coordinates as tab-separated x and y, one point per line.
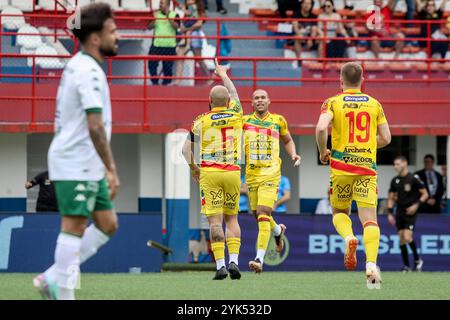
390	211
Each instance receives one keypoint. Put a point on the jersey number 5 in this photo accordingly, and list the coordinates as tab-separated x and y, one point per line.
362	124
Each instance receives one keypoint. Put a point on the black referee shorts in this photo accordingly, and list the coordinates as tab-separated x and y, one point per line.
404	221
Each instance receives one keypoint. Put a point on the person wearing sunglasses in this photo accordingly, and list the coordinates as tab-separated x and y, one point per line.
428	11
329	25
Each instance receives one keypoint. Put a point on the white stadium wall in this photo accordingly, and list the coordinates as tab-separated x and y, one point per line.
141	158
13	172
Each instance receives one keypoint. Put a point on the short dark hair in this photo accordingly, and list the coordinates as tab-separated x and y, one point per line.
400	157
429	156
92	19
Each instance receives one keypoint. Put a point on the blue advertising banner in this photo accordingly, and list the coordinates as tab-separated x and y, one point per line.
27	244
313	244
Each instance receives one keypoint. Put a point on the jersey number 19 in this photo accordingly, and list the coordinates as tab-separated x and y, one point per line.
362	125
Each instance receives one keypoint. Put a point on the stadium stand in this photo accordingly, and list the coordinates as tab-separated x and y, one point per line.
24	5
262	47
12	18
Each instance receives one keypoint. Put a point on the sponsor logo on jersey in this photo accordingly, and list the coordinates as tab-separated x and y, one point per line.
261	145
260	156
217	197
357	160
357	150
221	116
356	98
80	197
343	192
80	187
351	106
362	187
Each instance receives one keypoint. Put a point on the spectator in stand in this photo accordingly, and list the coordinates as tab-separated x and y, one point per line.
333	29
324	206
428	11
380	28
305	29
219	4
165	25
350	28
288	5
434	183
410	9
192	9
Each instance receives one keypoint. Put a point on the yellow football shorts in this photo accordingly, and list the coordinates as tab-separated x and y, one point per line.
220	192
346	188
262	191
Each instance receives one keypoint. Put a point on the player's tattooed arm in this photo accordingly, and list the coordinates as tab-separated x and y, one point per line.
98	136
101	144
188	155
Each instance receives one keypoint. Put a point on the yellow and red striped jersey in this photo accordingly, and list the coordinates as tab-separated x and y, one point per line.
219	133
356	117
262	143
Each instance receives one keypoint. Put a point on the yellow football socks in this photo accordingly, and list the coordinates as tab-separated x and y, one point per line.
218	248
233	244
273	224
264	231
343	224
371	238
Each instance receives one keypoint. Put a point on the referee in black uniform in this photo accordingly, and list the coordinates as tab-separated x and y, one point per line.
46	201
407	192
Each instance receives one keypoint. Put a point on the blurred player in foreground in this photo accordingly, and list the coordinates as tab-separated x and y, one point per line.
80	159
359	127
263	131
219	134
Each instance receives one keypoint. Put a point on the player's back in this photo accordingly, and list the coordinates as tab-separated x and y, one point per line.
220	133
356	117
83	89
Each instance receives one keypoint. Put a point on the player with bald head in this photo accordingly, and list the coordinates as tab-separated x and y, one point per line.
219	134
263	131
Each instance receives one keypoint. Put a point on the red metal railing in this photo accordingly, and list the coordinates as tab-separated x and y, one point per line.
326	68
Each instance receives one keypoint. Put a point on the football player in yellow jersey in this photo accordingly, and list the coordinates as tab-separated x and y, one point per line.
262	134
359	127
219	135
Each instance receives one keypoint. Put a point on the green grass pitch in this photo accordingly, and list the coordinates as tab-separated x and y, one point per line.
269	285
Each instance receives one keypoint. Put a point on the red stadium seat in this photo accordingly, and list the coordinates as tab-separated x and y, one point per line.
423	66
411	31
373	66
399	66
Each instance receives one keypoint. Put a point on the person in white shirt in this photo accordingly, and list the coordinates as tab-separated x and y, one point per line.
323	206
80	159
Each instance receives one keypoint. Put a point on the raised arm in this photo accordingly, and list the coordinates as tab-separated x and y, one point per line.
391	4
221	71
443	5
101	144
419	5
